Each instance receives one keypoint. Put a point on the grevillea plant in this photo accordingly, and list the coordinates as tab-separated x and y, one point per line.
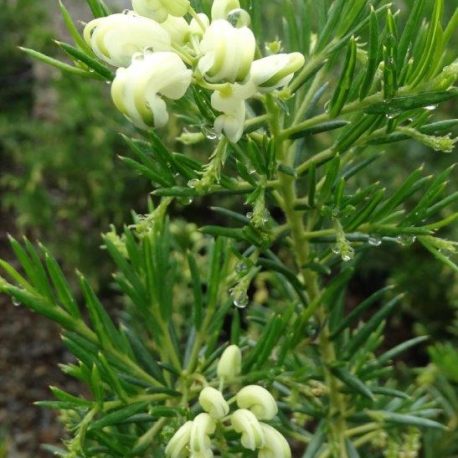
236	339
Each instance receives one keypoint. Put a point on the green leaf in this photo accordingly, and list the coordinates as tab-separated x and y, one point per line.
90	62
373	56
357	340
359	310
73	30
345	82
404	419
56	63
320	128
352	382
409	102
119	416
197	306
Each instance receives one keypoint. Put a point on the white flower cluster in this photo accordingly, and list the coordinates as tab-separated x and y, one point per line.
254	403
160	54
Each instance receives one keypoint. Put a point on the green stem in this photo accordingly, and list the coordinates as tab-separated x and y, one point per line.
301	248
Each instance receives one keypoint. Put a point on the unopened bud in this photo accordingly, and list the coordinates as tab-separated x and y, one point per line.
230	363
160	9
221	8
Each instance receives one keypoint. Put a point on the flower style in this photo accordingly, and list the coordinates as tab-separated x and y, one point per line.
136	89
213	402
275	446
202	427
160	9
221	8
246	423
230	363
258	400
276	71
116	38
198	27
177	446
227	52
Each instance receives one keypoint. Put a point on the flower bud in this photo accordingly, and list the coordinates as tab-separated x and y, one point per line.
221	8
202	426
178	29
247	424
116	38
275	446
213	402
177	446
276	71
230	363
160	9
136	89
228	52
258	400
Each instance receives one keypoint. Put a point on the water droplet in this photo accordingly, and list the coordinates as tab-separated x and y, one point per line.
239	298
430	107
335	249
391	115
406	240
107	83
252	172
16	303
186	200
126	11
193	183
239	18
265	216
210	133
346	257
374	240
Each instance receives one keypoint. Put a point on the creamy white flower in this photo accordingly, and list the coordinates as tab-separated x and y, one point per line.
160	9
116	38
227	52
221	8
202	427
246	423
178	29
136	90
178	445
213	402
258	400
231	102
276	71
230	363
276	446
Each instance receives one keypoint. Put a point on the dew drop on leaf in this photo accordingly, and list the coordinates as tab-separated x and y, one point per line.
374	240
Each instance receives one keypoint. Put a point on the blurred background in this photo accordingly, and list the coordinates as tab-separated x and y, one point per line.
61	182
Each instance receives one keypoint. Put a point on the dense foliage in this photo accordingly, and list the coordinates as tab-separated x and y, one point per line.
258	295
